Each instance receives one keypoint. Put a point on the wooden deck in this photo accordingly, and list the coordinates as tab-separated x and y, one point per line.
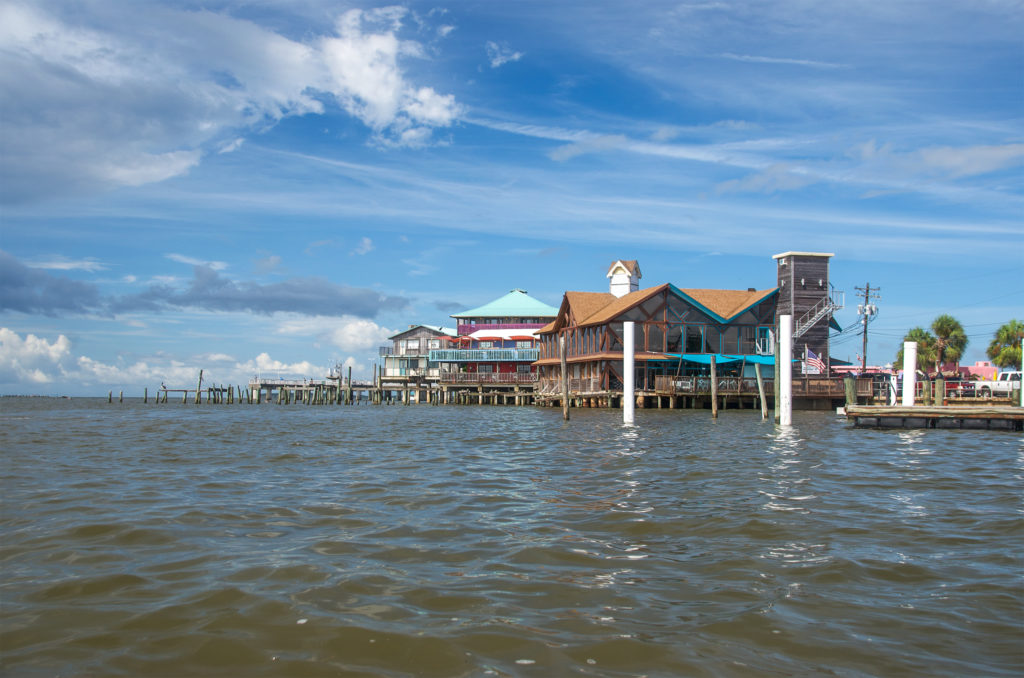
1005	418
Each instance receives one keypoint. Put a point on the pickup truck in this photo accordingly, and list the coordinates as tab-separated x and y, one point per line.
1003	385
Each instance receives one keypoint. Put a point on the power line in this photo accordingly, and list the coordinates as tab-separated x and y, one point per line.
866	311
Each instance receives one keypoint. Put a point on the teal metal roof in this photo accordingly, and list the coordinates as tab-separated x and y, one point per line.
516	303
722	359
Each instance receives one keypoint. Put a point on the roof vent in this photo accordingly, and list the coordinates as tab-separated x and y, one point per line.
519	290
751	289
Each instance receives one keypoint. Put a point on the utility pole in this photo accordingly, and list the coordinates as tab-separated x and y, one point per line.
866	311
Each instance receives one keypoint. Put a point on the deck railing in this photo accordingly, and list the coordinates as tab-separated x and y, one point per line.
462	355
465	328
488	377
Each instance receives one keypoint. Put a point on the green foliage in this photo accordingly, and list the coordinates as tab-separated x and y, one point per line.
1004	350
950	340
925	349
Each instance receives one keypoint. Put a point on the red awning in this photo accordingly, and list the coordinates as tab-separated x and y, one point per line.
522	337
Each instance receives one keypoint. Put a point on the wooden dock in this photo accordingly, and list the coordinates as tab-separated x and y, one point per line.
977	417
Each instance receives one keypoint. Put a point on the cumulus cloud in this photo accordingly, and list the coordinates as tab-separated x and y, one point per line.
28	362
348	333
145	91
499	55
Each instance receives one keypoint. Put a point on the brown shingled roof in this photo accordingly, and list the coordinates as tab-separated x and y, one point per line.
727	303
630	264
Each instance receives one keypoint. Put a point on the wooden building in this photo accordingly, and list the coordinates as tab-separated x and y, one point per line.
406	367
677	332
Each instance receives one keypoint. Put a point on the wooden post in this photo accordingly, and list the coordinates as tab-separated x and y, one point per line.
565	378
145	395
110	396
714	389
199	386
926	391
348	387
940	391
760	391
850	387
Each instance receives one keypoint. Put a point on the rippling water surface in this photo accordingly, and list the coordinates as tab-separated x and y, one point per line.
274	540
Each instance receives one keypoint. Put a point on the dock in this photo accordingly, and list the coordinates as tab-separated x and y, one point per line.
975	417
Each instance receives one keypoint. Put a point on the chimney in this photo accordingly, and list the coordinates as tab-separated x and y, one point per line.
623	277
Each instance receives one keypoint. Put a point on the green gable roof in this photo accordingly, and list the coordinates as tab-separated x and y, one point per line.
516	304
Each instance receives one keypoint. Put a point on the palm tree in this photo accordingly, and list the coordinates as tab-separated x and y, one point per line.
950	340
925	348
1005	347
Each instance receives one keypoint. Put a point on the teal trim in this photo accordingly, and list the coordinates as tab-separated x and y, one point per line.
720	358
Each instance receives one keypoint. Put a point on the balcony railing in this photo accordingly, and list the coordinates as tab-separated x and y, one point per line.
475	327
431	373
488	377
463	355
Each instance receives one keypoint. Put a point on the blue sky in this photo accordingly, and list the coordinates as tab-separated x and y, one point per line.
277	187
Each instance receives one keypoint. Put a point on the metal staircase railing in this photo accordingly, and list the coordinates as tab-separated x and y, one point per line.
827	306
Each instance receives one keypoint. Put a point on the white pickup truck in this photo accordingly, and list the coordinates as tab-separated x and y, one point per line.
1003	385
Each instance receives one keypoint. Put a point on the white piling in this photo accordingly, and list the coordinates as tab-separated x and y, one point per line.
909	372
785	369
628	391
1022	372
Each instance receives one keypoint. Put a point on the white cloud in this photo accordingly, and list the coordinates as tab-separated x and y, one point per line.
88	264
147	91
780	177
365	247
500	55
31	359
28	362
348	333
593	145
192	261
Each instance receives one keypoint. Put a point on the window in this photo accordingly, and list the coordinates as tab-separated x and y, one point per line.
523	369
524	344
434	343
486	344
487	369
412	345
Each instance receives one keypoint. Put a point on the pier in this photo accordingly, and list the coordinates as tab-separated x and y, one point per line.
1001	418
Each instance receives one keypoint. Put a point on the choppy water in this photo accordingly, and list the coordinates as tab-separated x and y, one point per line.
182	540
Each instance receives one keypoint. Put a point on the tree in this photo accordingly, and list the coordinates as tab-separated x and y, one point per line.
925	348
950	340
1005	347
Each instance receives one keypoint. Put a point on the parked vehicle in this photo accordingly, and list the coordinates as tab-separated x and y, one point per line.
959	388
1003	385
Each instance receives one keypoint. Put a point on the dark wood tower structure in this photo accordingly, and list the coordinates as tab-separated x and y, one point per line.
806	293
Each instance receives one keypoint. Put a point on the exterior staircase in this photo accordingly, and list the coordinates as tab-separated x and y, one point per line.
826	307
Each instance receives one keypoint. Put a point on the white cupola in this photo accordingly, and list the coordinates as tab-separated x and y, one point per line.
624	277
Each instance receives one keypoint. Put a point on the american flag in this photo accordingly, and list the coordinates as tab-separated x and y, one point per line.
814	361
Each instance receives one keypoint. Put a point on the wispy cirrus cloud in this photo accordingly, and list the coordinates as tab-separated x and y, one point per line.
499	55
193	261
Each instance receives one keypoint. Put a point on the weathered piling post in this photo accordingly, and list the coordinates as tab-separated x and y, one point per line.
145	395
940	391
850	389
348	387
184	396
110	396
785	364
926	391
760	391
909	372
565	378
714	388
628	373
199	386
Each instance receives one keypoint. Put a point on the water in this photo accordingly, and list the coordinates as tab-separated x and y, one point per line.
182	540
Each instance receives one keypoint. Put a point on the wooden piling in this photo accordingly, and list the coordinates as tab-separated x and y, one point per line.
850	391
348	387
199	386
565	379
760	391
714	389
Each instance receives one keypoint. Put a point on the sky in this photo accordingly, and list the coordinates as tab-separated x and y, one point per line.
276	187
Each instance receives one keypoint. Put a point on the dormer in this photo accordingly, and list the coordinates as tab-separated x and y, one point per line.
624	277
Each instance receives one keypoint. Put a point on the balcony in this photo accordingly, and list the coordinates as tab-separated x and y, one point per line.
487	355
470	329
